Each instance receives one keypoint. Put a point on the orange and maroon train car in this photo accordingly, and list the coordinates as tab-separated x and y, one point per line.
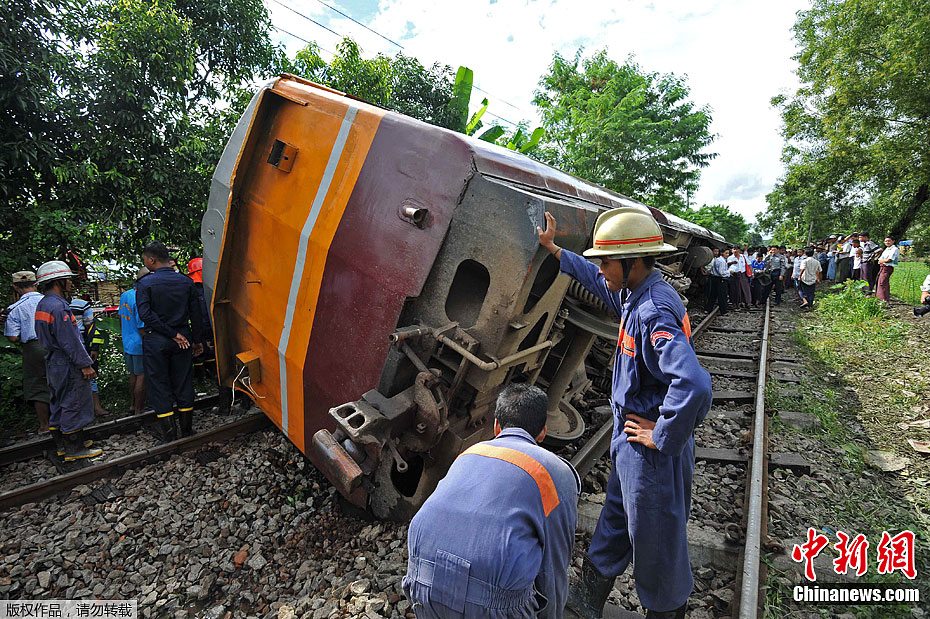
375	281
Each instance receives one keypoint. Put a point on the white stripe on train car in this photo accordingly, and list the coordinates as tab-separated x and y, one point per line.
302	248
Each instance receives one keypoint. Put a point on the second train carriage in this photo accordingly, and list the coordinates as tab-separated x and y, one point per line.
375	281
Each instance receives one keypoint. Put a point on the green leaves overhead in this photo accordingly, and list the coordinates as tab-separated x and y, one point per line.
856	131
128	105
634	132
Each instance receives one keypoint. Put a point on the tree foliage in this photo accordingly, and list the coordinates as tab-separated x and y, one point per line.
398	83
634	132
856	131
719	218
123	117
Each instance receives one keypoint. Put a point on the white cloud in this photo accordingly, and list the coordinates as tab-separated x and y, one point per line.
736	55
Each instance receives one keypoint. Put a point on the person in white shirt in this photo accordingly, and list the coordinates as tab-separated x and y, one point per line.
809	275
738	265
796	269
886	264
855	254
718	275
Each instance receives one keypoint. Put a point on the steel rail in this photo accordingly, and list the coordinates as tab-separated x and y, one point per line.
749	590
595	448
35	447
49	487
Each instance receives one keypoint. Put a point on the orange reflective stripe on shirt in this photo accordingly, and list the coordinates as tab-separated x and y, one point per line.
686	326
45	317
547	491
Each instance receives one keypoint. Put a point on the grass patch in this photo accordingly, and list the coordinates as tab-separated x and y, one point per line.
906	280
848	318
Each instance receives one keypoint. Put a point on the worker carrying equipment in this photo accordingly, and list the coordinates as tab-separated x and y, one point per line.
659	395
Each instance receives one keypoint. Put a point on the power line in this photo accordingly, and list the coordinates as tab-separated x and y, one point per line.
300	38
361	24
478	88
313	21
309	19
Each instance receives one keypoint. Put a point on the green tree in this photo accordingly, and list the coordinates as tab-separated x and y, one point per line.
139	96
399	83
33	60
719	218
634	132
856	131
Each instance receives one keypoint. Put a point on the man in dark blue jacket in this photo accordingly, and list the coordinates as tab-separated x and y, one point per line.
495	538
170	309
69	369
660	393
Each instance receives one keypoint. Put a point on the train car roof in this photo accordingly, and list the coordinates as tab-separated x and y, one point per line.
511	166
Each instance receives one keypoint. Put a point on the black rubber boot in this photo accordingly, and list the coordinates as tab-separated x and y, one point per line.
587	597
678	613
167	429
186	423
75	449
59	439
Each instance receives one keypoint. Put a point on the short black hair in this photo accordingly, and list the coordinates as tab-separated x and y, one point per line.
809	251
649	261
24	285
524	406
156	250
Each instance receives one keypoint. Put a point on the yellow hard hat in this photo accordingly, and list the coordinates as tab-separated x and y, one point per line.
627	232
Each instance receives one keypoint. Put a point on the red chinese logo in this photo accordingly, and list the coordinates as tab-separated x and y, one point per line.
807	551
897	553
852	555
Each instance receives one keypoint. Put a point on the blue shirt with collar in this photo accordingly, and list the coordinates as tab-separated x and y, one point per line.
130	323
656	372
484	541
21	320
168	304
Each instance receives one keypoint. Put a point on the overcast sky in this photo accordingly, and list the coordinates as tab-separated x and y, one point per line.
736	55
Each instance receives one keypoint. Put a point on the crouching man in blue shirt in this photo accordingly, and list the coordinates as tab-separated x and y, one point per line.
495	538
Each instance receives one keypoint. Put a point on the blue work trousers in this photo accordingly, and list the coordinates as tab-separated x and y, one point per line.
644	520
169	373
72	405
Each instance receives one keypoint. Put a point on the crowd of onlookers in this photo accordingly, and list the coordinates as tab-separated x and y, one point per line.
745	277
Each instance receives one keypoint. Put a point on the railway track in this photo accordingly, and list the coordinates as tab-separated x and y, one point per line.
735	350
35	454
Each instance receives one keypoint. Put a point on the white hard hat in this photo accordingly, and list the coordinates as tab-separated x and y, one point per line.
51	270
627	232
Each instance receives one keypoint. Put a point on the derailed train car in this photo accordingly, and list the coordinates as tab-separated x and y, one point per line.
375	281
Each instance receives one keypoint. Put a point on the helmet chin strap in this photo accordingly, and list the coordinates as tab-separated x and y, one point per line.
626	265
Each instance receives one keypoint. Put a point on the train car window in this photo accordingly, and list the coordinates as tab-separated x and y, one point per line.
467	293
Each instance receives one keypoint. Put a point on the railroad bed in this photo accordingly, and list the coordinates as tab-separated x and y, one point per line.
244	526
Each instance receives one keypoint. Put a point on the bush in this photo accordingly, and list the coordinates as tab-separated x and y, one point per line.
859	319
16	416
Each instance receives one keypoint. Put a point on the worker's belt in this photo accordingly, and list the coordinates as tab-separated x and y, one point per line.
478	592
652	416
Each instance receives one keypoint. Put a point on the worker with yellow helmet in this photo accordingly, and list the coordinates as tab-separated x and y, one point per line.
660	393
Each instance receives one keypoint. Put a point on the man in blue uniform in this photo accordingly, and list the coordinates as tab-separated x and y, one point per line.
169	307
131	326
69	368
495	538
20	327
660	393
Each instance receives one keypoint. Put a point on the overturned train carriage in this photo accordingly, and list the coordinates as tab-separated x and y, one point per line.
376	281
